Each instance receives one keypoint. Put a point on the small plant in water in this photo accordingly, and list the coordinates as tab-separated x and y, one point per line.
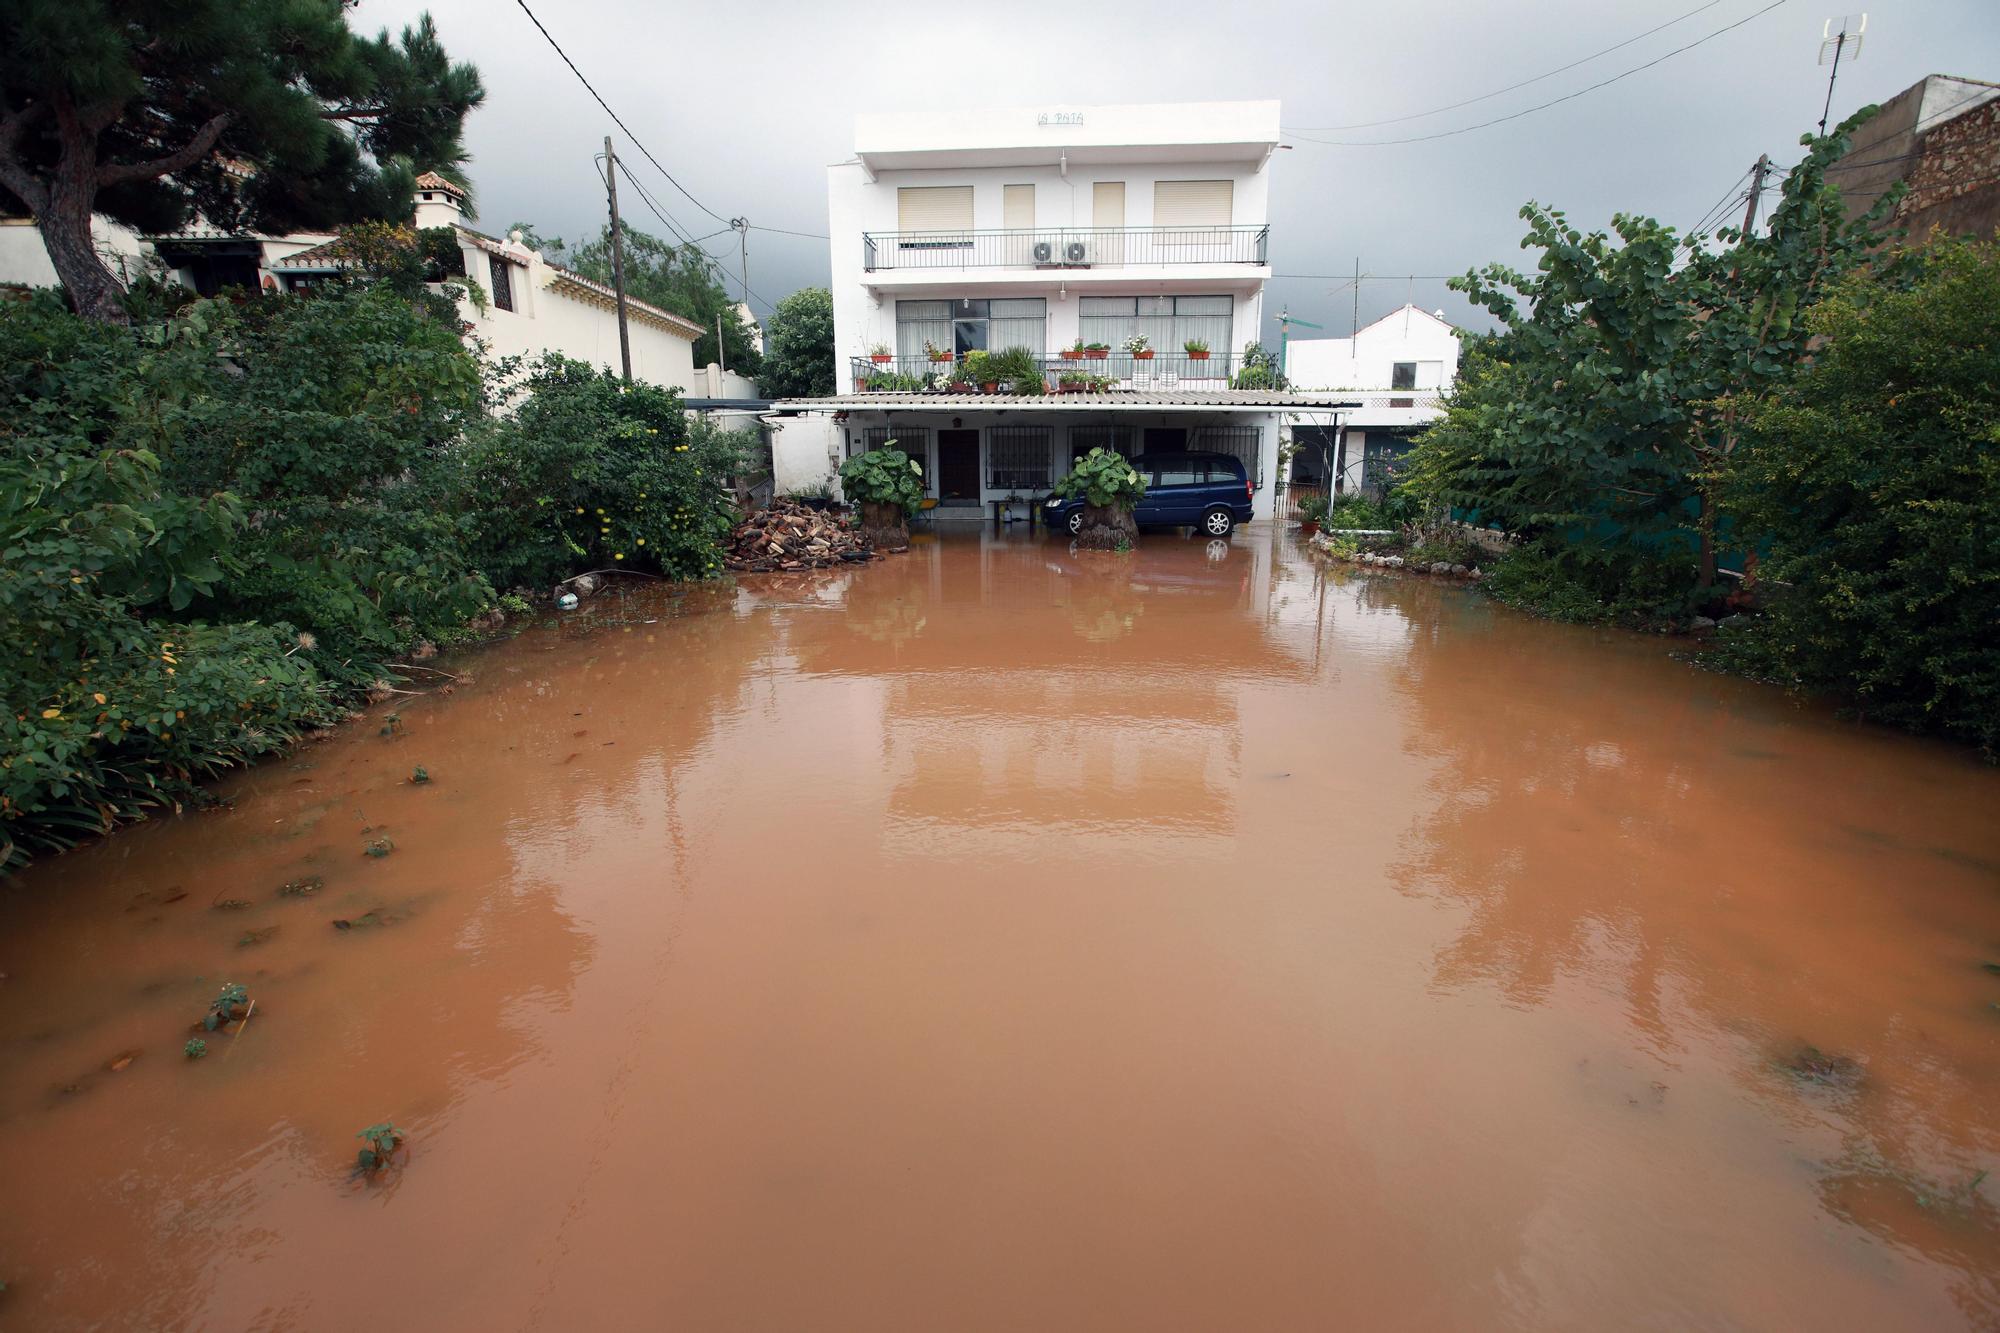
223	1008
380	847
195	1048
381	1141
419	776
392	725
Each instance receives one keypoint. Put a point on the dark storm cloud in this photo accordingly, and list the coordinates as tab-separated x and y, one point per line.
746	104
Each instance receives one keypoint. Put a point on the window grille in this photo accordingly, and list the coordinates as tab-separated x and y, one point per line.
503	287
1017	458
1082	439
1240	442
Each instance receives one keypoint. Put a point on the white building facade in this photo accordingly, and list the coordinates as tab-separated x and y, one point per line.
1066	234
1396	371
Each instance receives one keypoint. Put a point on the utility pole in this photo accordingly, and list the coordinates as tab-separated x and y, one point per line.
617	259
1355	328
1757	174
741	226
721	352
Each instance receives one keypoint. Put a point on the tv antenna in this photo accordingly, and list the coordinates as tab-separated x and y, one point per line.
1832	45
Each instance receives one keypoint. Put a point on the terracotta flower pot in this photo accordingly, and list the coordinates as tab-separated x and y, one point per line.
1146	355
990	386
1071	354
1097	353
1198	356
880	359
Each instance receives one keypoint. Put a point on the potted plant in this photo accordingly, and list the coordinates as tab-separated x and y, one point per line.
1140	346
1312	513
935	353
1110	488
1096	351
1073	382
888	484
977	368
1020	370
880	354
1074	353
1196	349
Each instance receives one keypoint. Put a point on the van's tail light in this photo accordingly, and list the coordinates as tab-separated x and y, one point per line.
1249	491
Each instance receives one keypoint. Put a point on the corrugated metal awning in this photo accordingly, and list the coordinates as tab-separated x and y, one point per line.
1220	400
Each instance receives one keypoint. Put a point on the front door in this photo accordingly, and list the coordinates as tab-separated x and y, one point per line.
958	467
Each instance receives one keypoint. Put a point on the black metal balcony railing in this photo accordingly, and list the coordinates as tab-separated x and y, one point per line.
1163	371
1065	247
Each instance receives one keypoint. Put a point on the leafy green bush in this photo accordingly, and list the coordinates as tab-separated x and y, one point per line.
1103	478
1589	586
885	476
1259	370
589	473
1313	509
1876	473
1357	511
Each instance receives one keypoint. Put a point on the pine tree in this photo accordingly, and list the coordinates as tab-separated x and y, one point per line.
260	115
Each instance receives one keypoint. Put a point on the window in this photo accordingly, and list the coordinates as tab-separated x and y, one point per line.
1017	458
934	208
912	440
1403	375
1240	442
1180	472
1017	207
503	283
972	325
1197	204
1168	322
1082	439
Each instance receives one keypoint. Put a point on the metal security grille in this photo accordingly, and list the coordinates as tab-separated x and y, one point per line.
503	286
912	440
1017	458
1242	442
1082	439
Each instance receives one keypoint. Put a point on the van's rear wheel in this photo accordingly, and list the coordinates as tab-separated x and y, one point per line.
1218	522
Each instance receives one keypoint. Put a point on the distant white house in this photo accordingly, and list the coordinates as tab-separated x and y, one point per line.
1397	369
532	306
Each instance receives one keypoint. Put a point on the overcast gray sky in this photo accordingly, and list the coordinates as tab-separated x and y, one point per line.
746	104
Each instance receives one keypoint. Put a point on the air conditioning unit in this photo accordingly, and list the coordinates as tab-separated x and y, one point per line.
1076	252
1044	252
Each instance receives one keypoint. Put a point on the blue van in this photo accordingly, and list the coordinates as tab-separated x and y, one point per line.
1183	489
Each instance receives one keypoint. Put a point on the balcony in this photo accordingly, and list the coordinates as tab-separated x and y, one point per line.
1161	372
1065	249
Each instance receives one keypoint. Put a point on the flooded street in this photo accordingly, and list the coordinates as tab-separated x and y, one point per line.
999	938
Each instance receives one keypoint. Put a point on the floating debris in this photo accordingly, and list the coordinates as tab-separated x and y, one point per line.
1809	1064
301	888
789	535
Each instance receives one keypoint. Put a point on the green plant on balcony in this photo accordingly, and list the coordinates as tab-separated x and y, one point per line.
1020	370
1260	370
890	381
1140	346
977	368
1075	353
936	353
880	354
1196	348
1097	351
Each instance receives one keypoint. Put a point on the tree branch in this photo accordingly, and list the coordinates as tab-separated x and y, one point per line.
352	112
186	156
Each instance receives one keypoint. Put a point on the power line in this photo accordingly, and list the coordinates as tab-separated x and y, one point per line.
808	235
1453	106
1567	97
613	114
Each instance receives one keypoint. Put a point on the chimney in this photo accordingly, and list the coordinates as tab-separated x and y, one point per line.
438	202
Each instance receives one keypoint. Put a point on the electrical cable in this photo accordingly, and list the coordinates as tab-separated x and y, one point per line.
1567	97
1453	106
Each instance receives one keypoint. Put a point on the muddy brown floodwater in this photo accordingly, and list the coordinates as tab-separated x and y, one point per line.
998	938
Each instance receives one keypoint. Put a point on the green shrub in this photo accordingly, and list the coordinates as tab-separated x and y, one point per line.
1103	478
1313	509
1588	586
886	476
1876	473
589	473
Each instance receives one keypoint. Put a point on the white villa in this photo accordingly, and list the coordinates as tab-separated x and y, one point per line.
1396	371
532	306
960	231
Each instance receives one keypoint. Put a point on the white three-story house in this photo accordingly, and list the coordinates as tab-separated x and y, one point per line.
1012	288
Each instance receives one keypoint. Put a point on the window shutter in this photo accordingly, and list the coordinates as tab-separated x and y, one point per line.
1192	203
1018	204
934	208
1107	204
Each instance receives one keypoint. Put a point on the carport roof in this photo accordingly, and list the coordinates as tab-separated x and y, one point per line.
1227	400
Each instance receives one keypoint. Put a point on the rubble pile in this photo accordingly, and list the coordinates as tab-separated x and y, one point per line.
790	535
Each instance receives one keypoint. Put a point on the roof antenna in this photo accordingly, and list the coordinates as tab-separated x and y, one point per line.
1832	43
